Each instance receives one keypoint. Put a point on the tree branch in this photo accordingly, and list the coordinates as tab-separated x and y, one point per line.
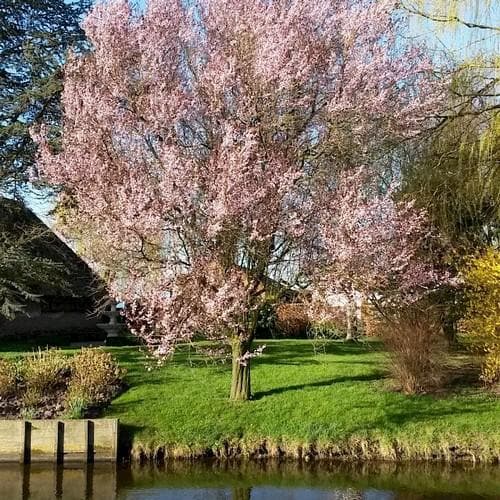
451	19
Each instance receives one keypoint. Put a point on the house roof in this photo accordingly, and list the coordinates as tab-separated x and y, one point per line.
80	280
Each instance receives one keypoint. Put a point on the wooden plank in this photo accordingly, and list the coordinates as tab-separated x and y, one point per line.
12	434
43	440
103	440
76	441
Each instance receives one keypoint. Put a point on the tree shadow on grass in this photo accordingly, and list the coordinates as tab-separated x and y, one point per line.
300	352
322	383
400	415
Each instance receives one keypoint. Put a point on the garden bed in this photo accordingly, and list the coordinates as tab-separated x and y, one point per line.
48	384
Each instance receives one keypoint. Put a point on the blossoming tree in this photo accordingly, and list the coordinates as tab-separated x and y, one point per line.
223	153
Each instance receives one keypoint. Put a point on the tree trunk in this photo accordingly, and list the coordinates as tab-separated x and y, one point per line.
348	336
353	315
240	383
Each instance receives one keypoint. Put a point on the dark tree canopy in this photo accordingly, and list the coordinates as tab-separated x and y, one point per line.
34	37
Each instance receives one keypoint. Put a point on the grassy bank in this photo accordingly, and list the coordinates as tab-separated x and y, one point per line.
337	404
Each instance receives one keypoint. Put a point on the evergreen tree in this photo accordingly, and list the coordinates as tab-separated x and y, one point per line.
34	38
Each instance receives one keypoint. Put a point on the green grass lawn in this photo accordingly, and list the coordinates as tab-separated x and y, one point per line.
337	402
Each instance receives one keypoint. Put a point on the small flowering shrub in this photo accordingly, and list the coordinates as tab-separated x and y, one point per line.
44	371
95	378
7	377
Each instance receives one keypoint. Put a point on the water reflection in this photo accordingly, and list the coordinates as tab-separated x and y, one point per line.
47	482
249	481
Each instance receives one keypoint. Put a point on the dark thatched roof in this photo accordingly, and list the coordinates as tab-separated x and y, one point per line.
79	279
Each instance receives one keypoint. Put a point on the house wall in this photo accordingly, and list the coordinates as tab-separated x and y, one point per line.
50	315
66	322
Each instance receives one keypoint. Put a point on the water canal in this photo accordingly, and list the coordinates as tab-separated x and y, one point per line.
249	481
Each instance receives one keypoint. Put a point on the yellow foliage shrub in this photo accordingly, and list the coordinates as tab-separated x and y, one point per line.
7	377
95	376
491	366
43	370
481	323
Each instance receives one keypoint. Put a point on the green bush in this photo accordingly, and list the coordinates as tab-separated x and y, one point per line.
95	378
76	407
7	377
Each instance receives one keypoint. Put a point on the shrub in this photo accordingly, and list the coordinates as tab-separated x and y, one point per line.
371	320
31	399
321	332
490	373
95	377
44	371
7	377
416	344
292	320
481	323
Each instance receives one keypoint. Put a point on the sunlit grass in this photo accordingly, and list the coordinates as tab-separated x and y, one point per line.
299	398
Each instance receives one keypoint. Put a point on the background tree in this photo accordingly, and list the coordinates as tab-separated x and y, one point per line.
230	152
30	262
472	14
455	175
34	38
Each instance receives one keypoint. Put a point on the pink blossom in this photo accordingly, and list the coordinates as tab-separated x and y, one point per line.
206	151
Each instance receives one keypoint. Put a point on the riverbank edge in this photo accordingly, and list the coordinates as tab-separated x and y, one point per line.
351	450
